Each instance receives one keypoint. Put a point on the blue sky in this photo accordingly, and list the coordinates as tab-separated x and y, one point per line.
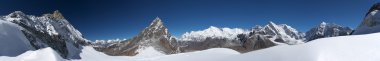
110	19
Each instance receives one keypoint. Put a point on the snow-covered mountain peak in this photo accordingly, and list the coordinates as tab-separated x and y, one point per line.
374	12
272	24
281	33
326	30
17	13
373	9
157	25
278	29
323	24
156	22
155	30
212	32
213	29
156	35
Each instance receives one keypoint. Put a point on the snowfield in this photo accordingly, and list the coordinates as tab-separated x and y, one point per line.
343	48
11	35
90	54
45	54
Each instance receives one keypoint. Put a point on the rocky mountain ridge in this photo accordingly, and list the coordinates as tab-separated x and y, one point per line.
327	30
49	30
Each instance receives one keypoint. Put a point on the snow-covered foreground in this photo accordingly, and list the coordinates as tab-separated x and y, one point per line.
89	54
45	54
343	48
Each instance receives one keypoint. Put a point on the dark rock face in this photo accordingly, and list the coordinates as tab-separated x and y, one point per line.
371	22
327	30
244	43
373	8
40	40
281	33
48	31
57	15
189	46
253	42
156	36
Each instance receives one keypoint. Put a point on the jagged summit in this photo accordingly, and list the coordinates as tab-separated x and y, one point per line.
324	24
156	21
281	33
271	23
326	30
17	15
156	24
154	36
374	7
57	15
156	27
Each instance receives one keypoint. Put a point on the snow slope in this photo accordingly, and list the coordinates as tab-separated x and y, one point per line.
45	54
342	48
11	35
214	54
89	54
148	52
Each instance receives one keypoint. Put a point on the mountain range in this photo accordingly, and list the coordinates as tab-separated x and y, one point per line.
28	32
156	35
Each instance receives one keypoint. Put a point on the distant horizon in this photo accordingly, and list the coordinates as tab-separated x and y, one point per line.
104	20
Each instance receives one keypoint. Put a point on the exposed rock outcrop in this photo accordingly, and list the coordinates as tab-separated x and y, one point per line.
371	22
